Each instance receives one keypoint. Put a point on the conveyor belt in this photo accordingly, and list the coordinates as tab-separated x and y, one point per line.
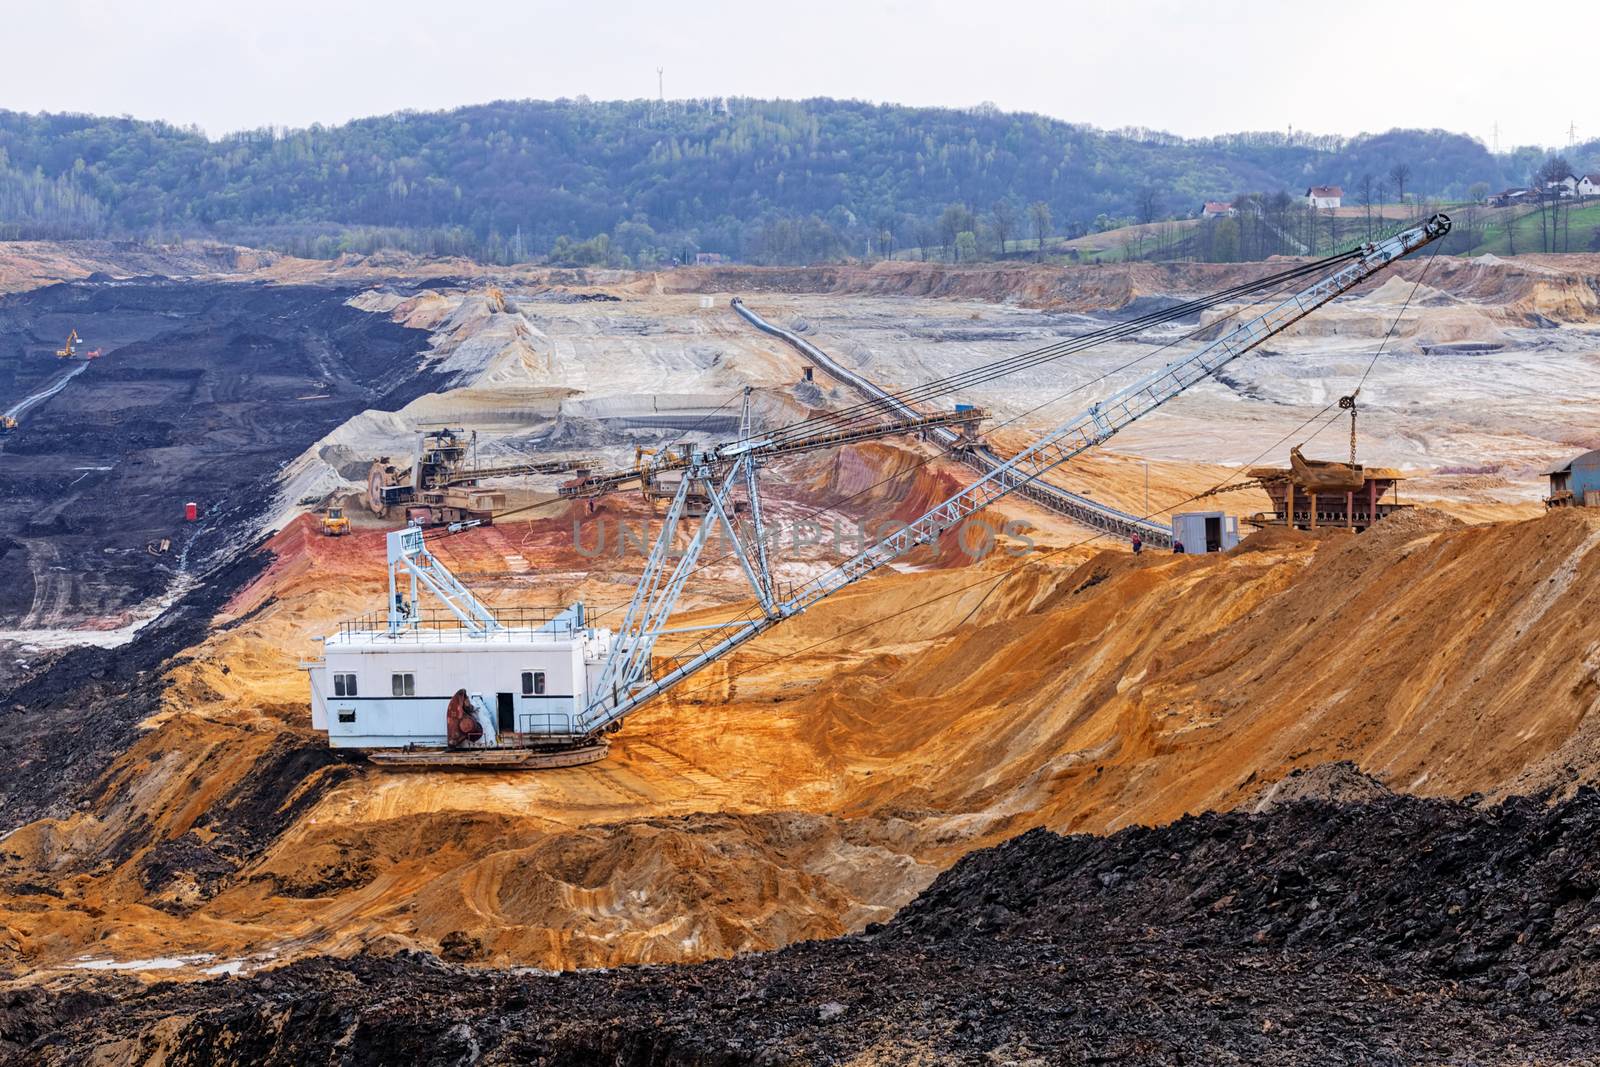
1080	509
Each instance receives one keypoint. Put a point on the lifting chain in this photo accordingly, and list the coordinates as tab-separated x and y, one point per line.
1348	403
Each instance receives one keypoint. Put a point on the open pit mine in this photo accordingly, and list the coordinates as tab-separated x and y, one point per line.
403	660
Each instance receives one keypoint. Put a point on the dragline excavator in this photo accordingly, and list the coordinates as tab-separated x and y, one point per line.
616	672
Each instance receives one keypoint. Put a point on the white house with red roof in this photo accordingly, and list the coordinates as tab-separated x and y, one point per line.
1319	197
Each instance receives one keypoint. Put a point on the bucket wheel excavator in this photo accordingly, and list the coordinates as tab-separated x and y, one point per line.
439	488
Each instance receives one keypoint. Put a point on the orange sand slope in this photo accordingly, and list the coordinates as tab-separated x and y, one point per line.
819	778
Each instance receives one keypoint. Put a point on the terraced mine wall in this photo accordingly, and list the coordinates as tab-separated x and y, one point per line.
202	393
1529	290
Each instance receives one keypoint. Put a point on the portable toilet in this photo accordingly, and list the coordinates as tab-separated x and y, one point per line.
1204	531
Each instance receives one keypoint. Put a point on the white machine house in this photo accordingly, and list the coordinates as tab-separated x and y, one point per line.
386	681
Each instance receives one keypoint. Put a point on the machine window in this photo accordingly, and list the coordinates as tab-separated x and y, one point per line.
403	685
347	716
533	683
344	685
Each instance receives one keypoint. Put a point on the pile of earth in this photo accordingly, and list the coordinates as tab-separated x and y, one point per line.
32	264
1399	930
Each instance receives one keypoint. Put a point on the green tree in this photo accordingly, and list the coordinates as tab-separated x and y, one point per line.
506	180
966	246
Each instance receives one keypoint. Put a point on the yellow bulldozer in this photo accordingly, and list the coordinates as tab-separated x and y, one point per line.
334	522
7	424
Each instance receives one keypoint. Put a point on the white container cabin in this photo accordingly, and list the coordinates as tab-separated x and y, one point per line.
1205	531
386	680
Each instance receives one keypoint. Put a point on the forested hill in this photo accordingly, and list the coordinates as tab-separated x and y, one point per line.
639	182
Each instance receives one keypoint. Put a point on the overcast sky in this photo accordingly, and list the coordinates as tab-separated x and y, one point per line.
1194	68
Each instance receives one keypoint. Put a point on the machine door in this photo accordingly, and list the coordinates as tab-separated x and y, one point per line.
505	716
1214	533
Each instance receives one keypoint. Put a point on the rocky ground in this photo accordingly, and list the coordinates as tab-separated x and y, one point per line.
1393	931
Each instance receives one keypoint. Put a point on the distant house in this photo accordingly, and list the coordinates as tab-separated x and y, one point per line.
1566	185
1507	197
1217	209
707	259
1589	185
1319	197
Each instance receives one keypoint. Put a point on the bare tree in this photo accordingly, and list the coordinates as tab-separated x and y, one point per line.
1004	214
1147	204
1166	240
1366	200
1400	173
1550	179
1470	221
1541	194
1279	205
886	237
1039	216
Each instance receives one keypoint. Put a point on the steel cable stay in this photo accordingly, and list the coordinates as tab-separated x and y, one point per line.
864	420
950	450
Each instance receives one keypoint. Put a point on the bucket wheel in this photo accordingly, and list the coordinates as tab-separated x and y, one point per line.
377	481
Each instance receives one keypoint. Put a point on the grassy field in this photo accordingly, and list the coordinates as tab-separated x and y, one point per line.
1578	230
